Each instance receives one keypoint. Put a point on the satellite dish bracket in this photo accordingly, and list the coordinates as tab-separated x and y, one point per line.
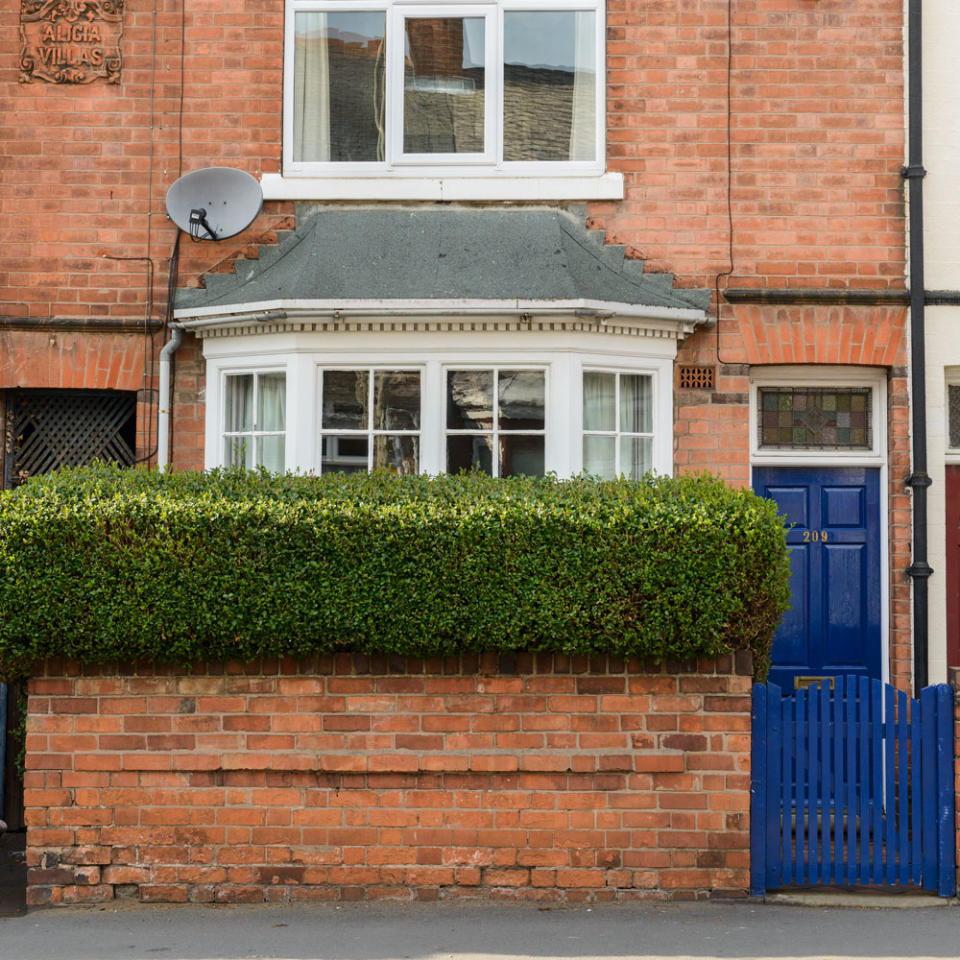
214	203
198	218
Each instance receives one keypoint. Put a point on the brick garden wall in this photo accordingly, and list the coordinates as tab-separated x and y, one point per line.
541	778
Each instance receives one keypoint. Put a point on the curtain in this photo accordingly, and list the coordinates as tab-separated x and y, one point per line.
239	404
311	89
599	412
272	402
272	415
583	123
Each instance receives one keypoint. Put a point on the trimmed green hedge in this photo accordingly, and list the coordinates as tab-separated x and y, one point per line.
101	564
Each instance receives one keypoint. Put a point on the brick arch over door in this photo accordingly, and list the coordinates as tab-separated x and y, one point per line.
867	336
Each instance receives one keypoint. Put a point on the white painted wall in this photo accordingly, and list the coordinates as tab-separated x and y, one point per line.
941	158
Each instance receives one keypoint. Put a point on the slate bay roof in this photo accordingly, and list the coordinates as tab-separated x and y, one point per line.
440	253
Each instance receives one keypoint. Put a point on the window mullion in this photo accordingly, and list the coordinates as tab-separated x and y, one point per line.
616	423
393	78
370	401
495	425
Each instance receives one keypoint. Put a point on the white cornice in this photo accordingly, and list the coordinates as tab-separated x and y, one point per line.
339	316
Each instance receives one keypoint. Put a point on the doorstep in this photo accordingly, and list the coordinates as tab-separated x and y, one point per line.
904	898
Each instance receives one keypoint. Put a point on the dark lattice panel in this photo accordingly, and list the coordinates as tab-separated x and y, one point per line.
47	429
696	378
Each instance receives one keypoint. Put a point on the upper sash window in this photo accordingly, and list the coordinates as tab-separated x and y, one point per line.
445	89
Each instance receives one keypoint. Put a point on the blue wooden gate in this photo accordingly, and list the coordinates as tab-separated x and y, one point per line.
852	784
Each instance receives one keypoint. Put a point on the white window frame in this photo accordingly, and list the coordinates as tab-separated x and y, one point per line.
495	432
617	434
822	377
444	177
563	357
370	432
256	372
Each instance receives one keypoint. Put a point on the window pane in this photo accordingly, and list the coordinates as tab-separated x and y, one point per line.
953	395
238	452
549	85
396	454
636	456
239	403
343	454
396	399
600	456
520	397
338	86
521	455
636	403
469	453
272	401
270	453
599	399
815	417
443	95
470	400
345	400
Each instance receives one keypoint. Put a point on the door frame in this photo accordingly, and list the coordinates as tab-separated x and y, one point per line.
824	375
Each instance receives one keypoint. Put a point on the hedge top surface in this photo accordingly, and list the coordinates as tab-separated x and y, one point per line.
102	564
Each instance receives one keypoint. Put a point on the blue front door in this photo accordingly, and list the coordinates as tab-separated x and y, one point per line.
834	625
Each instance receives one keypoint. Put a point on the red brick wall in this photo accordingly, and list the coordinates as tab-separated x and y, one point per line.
817	139
351	778
815	193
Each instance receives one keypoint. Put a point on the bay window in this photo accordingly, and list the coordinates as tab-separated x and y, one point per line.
503	412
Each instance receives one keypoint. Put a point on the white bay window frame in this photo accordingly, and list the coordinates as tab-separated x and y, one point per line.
564	361
424	174
255	432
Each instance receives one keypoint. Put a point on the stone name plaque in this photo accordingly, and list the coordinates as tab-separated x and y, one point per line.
70	41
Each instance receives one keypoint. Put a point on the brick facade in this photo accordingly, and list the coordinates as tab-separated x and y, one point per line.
807	195
538	778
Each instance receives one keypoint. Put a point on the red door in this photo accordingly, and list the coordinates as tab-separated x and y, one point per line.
953	565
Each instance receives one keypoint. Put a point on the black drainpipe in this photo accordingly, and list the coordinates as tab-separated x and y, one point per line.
918	480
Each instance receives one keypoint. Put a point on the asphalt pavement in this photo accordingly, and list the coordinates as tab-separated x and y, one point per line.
481	931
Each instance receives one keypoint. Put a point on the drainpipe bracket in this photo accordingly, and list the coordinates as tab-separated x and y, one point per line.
919	570
917	480
913	171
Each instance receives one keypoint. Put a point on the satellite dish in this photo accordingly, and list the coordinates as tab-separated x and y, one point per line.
214	203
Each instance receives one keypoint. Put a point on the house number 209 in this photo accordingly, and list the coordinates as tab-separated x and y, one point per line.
815	536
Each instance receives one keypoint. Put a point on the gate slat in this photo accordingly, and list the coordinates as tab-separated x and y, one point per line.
758	788
890	773
813	779
826	729
774	827
800	809
916	806
786	780
946	793
838	819
928	787
850	774
903	788
863	779
876	780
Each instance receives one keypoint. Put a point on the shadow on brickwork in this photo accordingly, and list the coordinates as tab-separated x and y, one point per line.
13	874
